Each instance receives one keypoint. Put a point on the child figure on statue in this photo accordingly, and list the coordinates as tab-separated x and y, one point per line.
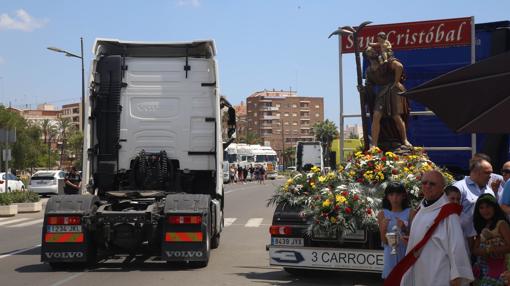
383	46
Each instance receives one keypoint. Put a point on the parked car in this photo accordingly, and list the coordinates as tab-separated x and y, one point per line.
15	184
47	182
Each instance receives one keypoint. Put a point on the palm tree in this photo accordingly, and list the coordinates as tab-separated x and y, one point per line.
325	132
251	138
75	144
63	125
289	156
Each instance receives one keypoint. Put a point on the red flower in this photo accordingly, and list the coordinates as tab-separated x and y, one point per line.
345	193
383	158
356	197
348	210
396	158
360	180
369	211
370	164
336	208
394	171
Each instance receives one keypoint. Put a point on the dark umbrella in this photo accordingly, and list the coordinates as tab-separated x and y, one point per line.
472	99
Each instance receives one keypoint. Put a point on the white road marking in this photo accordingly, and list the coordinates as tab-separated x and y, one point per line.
229	221
28	223
13	221
19	251
4	218
254	222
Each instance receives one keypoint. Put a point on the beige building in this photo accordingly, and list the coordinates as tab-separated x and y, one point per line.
281	118
37	116
241	123
73	112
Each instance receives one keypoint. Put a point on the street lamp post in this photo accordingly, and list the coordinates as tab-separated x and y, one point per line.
69	54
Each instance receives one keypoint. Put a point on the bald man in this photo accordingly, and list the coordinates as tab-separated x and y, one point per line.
471	187
444	260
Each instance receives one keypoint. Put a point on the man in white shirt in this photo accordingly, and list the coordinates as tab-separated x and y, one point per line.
443	261
471	187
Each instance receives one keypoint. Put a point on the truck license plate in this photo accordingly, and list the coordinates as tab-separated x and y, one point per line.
64	228
287	241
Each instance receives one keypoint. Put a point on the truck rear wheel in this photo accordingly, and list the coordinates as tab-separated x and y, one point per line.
215	241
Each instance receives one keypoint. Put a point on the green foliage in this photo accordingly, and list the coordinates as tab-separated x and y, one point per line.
5	199
251	138
325	132
23	197
33	141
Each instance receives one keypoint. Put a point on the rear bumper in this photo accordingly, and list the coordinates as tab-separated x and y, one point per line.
44	190
336	259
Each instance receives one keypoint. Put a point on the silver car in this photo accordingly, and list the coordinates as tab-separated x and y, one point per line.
47	182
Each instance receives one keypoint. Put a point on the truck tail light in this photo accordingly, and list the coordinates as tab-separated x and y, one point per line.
185	219
64	220
280	230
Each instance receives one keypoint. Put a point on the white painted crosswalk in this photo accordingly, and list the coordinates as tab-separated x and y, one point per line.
254	222
6	222
28	223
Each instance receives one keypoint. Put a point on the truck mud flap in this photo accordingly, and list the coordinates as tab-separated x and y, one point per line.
65	237
185	240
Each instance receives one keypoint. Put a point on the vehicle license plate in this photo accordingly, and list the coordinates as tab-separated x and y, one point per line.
41	182
287	241
64	228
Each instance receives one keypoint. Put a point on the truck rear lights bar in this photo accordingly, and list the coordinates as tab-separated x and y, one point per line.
184	237
64	220
280	230
187	219
76	237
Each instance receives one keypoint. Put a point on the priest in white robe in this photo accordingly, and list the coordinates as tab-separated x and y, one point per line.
443	260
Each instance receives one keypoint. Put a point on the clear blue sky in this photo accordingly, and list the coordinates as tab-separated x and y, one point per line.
261	44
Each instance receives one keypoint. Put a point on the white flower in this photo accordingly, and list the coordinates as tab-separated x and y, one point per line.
297	177
342	188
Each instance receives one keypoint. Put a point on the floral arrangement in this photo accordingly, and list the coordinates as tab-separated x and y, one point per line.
350	197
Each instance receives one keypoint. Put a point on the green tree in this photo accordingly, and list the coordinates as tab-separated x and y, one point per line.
75	146
251	138
353	135
28	146
63	127
289	156
325	132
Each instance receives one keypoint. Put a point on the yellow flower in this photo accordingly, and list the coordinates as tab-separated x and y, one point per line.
358	154
341	199
312	185
390	155
326	203
322	179
332	219
352	173
315	169
289	181
340	168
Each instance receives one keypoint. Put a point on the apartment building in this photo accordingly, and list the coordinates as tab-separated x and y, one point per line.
282	118
73	112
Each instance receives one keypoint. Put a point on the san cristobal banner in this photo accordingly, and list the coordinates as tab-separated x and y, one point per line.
416	35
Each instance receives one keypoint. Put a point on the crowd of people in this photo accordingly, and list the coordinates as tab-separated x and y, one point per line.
458	235
239	174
